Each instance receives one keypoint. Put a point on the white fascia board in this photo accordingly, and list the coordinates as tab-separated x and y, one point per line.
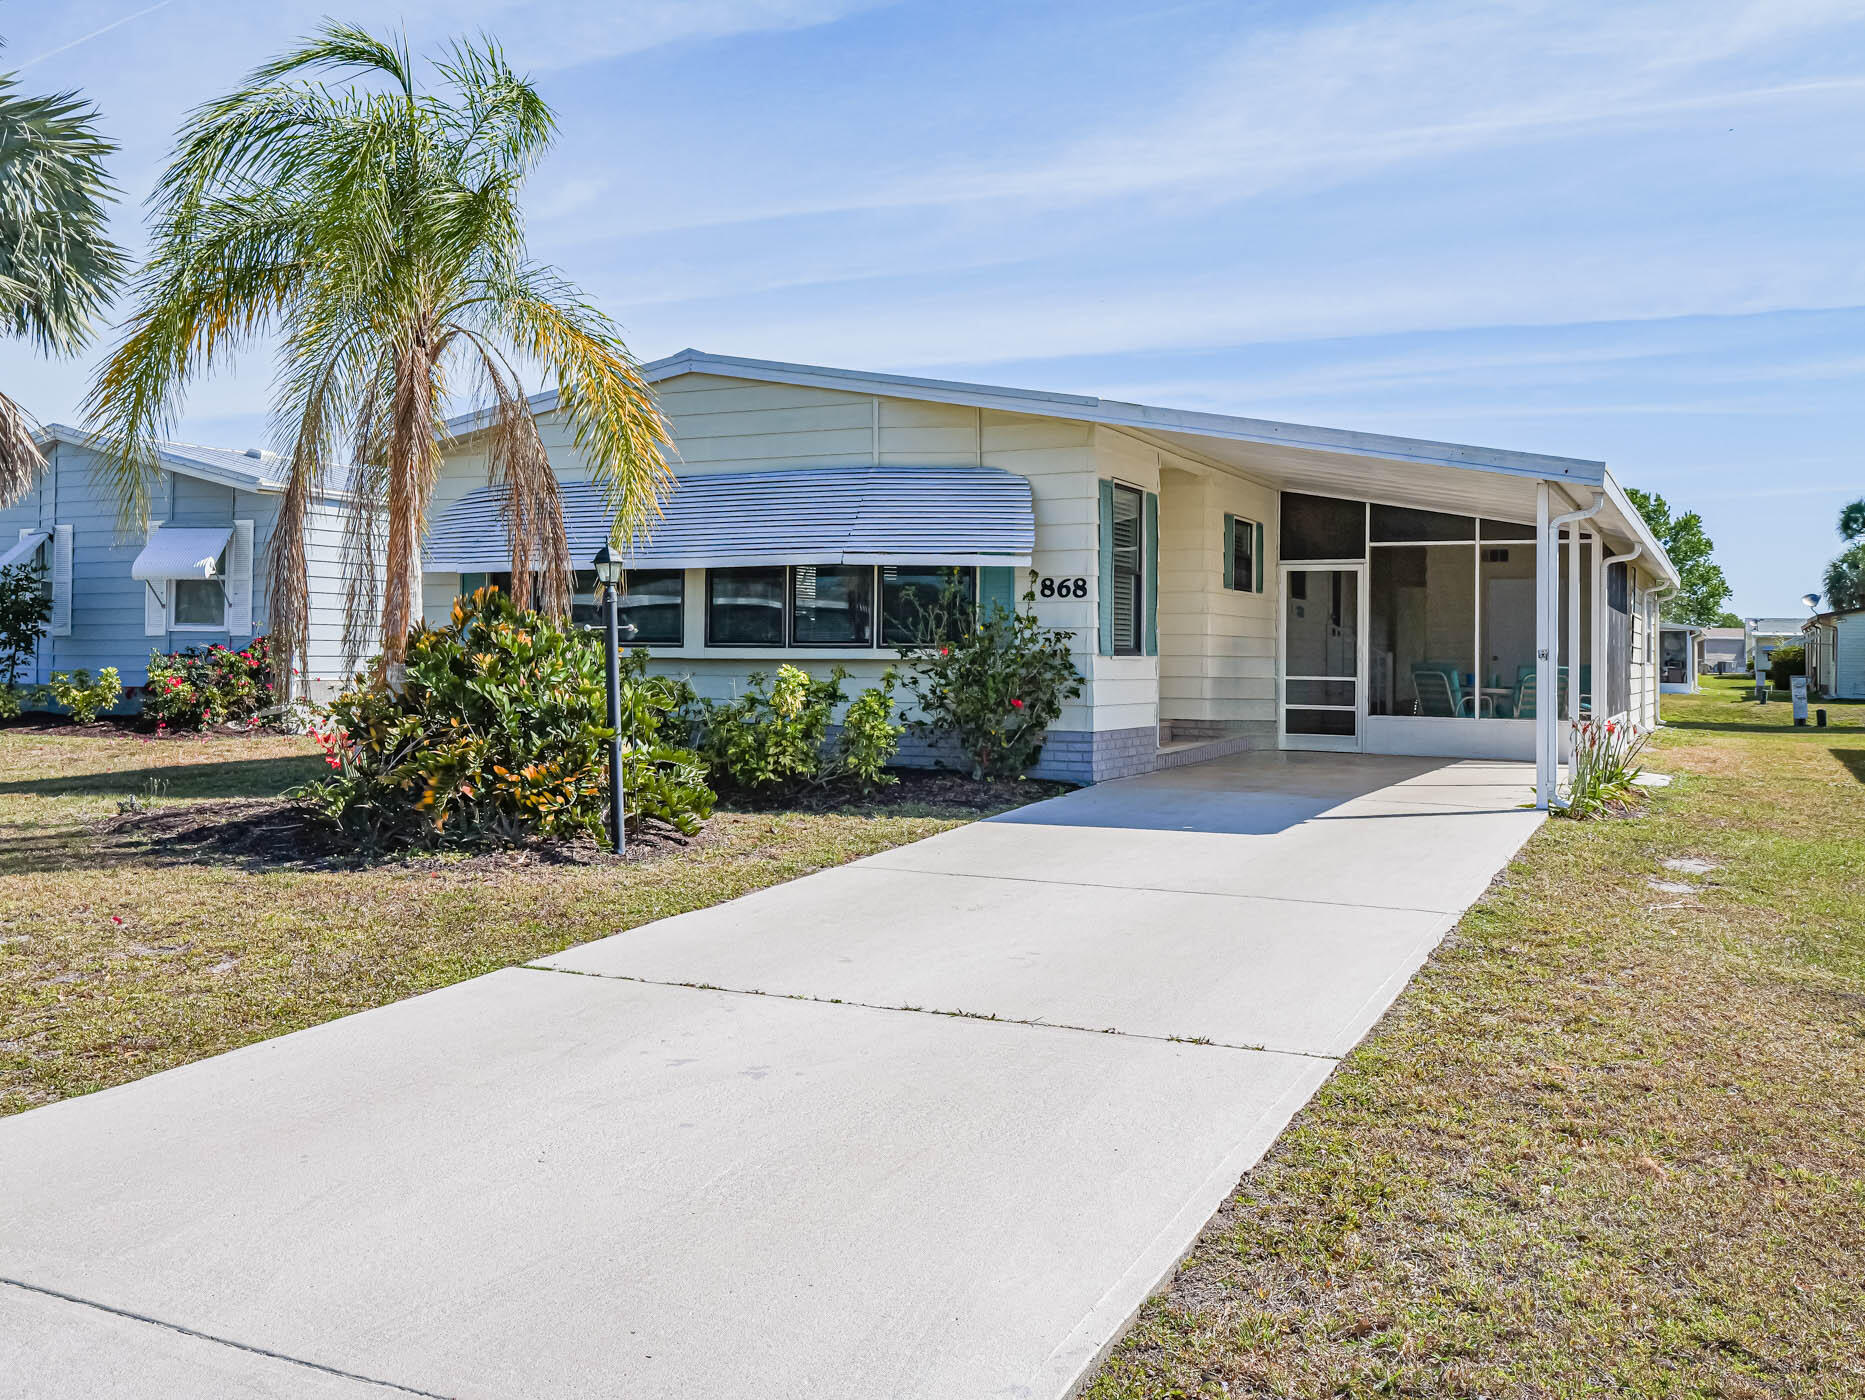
1640	532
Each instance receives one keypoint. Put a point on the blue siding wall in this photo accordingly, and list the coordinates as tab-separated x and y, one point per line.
106	603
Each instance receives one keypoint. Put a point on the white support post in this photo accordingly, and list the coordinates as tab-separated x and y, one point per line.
1601	690
1573	623
1547	573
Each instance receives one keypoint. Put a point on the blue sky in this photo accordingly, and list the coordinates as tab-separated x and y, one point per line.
1630	230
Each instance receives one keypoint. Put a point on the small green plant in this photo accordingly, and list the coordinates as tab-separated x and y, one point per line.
84	697
775	737
24	612
496	735
992	690
199	686
1602	765
153	791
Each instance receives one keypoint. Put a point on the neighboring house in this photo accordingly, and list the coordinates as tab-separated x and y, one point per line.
1724	649
196	577
1680	657
1835	643
1231	583
1761	635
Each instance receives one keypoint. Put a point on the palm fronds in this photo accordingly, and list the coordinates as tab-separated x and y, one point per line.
57	267
373	229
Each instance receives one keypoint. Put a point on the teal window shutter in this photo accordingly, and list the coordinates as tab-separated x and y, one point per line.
1105	595
1259	556
1230	551
997	587
1151	537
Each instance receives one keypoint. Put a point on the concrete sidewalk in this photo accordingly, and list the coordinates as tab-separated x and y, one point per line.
732	1153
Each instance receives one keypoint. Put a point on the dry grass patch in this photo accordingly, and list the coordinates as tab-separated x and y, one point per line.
125	949
1609	1142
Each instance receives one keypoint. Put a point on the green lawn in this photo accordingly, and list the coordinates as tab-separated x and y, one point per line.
1610	1142
119	958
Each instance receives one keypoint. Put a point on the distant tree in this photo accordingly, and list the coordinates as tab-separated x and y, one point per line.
1726	619
57	269
1852	521
1700	600
1845	580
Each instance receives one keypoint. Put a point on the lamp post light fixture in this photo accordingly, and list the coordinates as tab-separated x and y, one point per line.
608	565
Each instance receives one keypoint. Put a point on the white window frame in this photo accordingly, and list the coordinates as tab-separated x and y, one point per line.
219	578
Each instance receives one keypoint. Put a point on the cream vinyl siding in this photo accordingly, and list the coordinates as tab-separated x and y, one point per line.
1217	646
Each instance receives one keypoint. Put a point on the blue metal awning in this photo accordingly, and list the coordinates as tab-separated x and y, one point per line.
811	515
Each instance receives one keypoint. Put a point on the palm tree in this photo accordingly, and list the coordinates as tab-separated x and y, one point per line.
373	231
57	268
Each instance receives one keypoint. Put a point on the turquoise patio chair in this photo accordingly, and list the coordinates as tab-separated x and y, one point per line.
1440	691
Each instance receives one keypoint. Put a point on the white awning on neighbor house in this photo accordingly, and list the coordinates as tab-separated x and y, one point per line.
811	515
22	552
177	551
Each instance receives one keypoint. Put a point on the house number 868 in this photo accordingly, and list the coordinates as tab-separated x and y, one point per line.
1062	588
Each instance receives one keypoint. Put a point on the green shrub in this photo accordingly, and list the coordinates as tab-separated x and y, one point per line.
497	734
84	697
14	698
994	689
199	686
1785	662
24	612
776	739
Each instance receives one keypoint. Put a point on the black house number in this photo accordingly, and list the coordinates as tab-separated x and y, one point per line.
1062	588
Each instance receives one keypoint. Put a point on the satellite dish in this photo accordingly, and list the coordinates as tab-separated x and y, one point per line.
1812	600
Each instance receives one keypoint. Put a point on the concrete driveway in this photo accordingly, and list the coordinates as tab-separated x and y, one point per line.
928	1125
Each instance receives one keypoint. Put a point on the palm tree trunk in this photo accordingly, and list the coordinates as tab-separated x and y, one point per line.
413	464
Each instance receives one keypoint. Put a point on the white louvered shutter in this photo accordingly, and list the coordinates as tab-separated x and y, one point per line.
154	597
240	580
61	580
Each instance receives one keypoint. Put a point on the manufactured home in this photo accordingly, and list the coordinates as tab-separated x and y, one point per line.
194	578
1680	657
1231	583
1835	643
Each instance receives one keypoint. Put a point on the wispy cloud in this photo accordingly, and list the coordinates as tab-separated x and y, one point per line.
96	33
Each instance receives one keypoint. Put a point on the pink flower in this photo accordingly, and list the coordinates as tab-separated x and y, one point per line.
1017	703
116	918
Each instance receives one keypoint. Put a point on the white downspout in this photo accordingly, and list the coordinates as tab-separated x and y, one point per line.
1601	682
1547	631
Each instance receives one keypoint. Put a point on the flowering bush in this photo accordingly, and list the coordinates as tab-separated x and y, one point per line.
199	686
1602	764
995	689
776	739
84	697
496	734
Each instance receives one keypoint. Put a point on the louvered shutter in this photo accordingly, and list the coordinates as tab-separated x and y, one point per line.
1105	594
240	580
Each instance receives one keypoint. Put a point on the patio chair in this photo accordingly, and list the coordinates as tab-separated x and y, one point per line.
1521	705
1439	686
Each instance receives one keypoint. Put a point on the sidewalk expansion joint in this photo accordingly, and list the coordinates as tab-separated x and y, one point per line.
200	1336
991	1016
863	866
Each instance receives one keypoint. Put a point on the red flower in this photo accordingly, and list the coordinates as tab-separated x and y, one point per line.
1017	703
116	918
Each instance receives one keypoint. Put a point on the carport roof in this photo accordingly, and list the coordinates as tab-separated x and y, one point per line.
1302	457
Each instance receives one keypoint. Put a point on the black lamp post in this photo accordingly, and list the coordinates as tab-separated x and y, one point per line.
609	574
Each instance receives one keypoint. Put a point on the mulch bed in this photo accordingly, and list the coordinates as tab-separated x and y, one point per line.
918	790
275	833
121	726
